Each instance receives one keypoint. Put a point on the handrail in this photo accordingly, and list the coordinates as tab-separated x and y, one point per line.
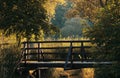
39	54
65	41
58	47
83	53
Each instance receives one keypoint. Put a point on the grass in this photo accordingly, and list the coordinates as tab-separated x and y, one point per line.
78	73
88	73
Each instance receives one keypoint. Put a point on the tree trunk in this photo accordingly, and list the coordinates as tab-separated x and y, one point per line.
18	39
101	3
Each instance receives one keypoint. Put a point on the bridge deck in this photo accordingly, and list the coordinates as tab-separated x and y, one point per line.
61	64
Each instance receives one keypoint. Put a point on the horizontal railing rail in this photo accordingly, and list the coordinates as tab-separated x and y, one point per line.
65	41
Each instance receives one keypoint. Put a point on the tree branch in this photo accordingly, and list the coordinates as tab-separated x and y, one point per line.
101	3
106	2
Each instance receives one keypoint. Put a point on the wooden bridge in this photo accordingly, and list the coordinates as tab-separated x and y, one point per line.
64	54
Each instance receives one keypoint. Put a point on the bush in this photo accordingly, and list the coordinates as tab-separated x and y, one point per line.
8	60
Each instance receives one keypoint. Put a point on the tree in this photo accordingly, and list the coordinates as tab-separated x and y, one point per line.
88	8
74	27
59	16
23	18
50	6
106	35
59	19
85	8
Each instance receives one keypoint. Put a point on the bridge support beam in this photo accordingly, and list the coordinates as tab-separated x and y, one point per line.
38	74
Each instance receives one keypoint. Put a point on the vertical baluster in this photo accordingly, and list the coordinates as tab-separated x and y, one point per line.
28	46
71	49
38	51
83	54
42	56
24	52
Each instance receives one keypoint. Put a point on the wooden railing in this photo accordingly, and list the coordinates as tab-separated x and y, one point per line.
67	51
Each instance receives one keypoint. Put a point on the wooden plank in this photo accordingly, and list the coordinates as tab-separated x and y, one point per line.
54	64
65	41
66	47
55	53
64	59
58	59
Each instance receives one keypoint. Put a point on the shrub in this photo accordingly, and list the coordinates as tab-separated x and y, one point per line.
8	61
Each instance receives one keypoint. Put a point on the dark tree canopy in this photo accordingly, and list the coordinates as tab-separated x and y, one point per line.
106	34
23	18
106	31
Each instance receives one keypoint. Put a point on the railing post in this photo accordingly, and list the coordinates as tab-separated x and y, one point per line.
38	51
40	54
26	51
71	58
38	73
83	54
23	56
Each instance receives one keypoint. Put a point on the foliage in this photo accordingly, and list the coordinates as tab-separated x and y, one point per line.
8	61
106	32
59	16
108	72
69	20
75	27
85	8
23	18
50	6
106	35
88	8
69	11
